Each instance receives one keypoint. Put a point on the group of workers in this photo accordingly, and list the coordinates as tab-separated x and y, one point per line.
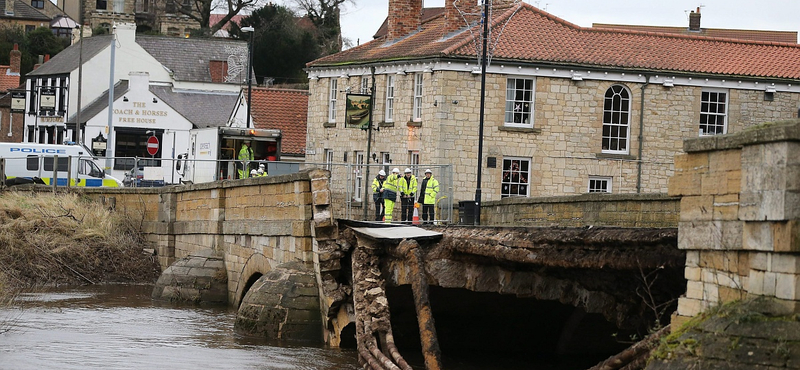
386	189
245	157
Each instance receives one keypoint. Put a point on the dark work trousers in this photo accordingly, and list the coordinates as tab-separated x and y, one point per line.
406	208
427	209
379	209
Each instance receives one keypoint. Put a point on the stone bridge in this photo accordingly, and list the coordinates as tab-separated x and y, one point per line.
569	274
274	248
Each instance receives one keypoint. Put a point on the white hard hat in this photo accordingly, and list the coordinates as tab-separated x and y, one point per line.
381	173
408	170
261	165
254	172
396	170
428	171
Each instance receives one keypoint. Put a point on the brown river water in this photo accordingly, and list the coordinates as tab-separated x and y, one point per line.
119	327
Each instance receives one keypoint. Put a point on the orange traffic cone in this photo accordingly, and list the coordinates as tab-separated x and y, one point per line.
415	217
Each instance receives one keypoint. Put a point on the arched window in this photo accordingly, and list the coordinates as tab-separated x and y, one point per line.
616	119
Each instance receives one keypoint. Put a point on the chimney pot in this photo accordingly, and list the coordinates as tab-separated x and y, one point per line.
694	21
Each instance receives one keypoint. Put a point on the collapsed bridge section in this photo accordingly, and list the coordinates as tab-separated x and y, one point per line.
627	277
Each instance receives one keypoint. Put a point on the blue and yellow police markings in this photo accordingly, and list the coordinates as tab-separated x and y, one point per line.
89	183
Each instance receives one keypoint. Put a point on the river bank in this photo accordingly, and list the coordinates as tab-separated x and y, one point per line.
64	239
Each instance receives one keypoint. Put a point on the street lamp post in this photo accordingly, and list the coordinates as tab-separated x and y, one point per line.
250	30
78	138
484	59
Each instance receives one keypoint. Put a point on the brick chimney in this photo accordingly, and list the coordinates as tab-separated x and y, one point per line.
458	12
15	57
694	20
218	70
405	16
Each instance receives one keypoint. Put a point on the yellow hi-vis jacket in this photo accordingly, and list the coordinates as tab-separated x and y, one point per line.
431	189
407	186
390	187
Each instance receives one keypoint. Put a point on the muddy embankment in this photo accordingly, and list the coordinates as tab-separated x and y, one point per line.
65	239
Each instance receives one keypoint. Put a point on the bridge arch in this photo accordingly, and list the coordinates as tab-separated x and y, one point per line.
255	267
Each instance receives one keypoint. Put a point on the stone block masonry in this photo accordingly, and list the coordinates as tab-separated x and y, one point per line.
253	225
739	215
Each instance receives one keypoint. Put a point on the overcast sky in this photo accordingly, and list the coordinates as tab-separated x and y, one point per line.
360	21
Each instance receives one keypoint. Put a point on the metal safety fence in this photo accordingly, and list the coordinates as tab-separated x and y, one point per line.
350	184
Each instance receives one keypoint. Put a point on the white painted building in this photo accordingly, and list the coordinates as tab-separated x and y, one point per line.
163	87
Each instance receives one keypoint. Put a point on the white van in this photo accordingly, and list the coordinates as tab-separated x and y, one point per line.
30	162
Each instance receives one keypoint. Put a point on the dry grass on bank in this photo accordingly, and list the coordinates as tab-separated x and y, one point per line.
51	239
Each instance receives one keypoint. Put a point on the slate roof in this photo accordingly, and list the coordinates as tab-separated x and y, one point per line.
535	36
23	10
752	35
203	109
283	109
67	60
188	58
94	108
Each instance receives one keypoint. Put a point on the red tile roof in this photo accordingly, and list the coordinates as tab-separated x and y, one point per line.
533	35
752	35
283	109
213	19
8	80
427	15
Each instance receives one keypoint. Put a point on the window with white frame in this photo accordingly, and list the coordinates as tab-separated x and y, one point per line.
329	159
616	120
358	175
365	85
713	112
385	161
389	117
417	97
334	87
516	177
600	184
519	102
413	160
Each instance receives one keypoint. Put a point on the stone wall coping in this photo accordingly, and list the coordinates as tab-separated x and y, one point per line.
224	184
786	130
596	197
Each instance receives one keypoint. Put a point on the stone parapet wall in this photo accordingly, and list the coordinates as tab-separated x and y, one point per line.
620	210
268	216
740	208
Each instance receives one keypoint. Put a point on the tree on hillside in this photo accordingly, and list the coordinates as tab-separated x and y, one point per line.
281	46
325	15
200	10
40	41
43	42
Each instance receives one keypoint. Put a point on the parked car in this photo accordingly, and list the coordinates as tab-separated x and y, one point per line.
135	178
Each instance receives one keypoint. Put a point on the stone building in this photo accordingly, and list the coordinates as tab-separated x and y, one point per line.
568	109
162	16
25	15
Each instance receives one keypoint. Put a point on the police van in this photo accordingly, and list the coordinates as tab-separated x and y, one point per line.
30	162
